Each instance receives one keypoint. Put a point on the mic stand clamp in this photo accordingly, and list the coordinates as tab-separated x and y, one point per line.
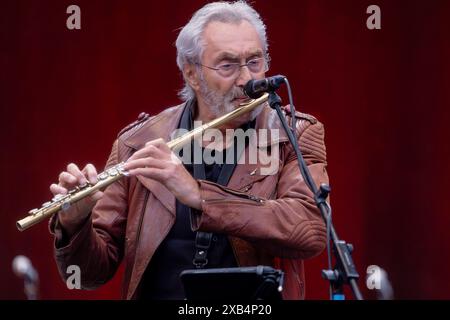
345	268
344	272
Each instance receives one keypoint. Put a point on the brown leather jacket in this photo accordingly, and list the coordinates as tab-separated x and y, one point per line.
270	219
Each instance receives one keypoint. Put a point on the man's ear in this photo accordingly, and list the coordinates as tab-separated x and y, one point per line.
191	76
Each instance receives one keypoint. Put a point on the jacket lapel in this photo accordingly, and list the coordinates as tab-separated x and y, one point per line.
162	126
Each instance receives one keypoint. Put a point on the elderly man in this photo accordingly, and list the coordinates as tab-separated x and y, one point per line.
157	218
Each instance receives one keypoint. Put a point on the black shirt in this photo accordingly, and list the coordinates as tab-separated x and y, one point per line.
176	252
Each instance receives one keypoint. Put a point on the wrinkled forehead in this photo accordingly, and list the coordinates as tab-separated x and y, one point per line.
231	40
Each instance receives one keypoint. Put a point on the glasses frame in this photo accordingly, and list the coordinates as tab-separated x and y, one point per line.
236	73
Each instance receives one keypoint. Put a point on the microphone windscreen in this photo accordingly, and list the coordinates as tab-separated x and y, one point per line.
21	265
23	268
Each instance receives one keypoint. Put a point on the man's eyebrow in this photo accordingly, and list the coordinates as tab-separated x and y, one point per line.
227	55
254	53
234	57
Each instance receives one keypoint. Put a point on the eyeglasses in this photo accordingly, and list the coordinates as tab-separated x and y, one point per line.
227	70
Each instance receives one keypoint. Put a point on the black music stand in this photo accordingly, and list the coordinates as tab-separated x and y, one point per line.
240	284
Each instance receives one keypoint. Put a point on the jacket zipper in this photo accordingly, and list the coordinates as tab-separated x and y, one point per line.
141	218
237	193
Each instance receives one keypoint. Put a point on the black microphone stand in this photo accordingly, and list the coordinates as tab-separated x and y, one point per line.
344	272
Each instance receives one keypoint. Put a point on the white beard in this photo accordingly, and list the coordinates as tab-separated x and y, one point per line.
221	104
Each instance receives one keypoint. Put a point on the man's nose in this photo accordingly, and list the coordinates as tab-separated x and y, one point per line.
244	76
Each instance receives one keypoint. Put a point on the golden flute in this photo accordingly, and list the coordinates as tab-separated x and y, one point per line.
114	173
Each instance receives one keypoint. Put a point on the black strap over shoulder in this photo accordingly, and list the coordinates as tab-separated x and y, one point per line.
203	240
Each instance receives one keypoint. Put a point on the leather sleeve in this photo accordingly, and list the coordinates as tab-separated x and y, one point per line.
97	248
289	226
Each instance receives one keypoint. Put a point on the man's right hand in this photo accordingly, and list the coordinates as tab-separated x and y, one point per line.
72	218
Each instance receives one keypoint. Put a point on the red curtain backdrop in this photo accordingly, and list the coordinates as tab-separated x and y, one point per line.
382	95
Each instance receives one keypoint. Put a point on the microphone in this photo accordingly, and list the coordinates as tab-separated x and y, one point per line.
255	88
23	268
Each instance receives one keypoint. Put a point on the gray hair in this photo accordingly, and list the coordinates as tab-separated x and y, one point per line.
189	42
